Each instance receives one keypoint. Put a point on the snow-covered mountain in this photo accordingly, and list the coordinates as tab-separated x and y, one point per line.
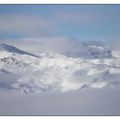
95	66
96	50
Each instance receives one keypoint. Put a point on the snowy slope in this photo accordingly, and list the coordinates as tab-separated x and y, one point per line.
6	50
96	67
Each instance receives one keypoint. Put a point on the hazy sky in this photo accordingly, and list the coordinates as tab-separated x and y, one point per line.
84	22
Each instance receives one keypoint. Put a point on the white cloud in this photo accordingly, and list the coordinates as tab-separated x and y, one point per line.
53	44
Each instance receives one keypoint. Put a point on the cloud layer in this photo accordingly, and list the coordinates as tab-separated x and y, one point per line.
26	24
83	21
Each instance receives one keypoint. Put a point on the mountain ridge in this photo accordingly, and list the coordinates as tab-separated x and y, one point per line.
10	48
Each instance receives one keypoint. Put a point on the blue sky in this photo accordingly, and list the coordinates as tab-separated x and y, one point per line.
83	22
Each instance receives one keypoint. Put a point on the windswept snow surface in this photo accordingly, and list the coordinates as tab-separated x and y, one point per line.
59	77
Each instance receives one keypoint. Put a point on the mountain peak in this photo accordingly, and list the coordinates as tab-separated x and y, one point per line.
9	48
